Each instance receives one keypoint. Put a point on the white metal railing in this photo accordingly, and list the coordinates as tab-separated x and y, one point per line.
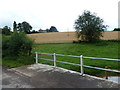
81	61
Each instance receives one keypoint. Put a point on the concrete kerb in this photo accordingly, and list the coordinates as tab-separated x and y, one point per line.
48	67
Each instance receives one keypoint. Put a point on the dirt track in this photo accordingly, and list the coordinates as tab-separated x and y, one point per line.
61	37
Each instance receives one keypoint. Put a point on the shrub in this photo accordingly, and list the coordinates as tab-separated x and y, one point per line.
18	44
5	45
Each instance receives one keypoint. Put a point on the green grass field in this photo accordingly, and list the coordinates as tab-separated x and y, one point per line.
102	50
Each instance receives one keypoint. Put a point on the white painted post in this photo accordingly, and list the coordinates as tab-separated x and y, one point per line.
36	57
54	60
81	63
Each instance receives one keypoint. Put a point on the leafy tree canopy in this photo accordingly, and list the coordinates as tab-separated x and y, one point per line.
89	26
24	27
6	30
53	29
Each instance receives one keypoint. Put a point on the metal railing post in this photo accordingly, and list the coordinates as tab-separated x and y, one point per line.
36	57
81	63
54	60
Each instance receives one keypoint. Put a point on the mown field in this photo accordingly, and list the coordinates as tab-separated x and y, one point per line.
105	49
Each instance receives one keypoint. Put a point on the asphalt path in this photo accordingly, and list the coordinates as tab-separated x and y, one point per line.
45	76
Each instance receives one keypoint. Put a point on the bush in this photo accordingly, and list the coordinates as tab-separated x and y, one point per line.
18	44
5	45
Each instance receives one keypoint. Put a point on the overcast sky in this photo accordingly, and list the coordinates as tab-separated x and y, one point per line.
59	13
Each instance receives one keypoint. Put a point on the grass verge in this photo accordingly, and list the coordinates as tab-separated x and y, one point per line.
12	62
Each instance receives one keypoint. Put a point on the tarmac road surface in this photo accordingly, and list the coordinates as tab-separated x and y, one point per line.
45	76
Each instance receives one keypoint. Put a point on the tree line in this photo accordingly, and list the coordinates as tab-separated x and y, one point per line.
24	27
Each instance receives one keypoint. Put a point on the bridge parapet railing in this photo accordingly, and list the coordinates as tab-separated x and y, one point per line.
81	57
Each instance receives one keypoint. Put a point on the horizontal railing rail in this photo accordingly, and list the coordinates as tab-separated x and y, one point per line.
67	55
45	54
46	59
101	68
102	58
79	56
81	61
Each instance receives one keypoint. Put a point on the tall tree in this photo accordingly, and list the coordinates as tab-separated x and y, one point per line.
14	26
19	27
53	29
6	30
24	27
89	27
